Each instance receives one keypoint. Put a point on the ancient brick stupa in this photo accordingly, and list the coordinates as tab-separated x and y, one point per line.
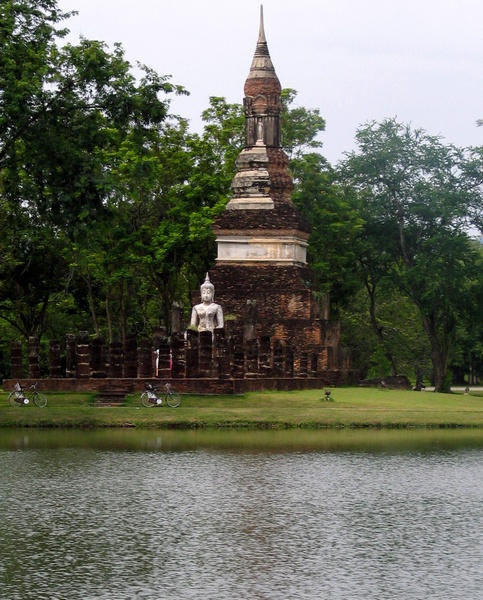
261	273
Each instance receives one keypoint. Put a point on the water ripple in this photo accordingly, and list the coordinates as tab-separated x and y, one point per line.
82	523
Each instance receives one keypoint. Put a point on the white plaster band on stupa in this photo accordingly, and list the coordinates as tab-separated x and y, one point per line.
285	250
251	203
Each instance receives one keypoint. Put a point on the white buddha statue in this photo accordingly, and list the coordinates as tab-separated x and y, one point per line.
208	315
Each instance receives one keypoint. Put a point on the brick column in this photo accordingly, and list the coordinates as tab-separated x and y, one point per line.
98	358
238	357
179	358
164	358
83	370
34	364
289	362
205	364
130	356
16	361
303	364
192	353
251	348
145	360
278	369
55	368
222	354
116	360
70	356
313	365
265	356
177	318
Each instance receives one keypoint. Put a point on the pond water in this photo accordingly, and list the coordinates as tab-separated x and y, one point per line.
241	515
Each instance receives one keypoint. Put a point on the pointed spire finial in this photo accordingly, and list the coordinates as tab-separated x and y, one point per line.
261	33
262	64
262	46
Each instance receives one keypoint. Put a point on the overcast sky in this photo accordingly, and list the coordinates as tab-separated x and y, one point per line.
420	61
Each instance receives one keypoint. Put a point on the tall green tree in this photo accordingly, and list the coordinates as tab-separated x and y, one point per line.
412	189
65	114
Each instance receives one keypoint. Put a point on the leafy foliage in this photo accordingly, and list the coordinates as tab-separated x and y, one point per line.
413	192
107	203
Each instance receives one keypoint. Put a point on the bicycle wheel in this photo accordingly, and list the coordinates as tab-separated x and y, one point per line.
146	400
173	399
40	400
12	398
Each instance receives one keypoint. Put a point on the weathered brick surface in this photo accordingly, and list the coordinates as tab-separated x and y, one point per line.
192	386
280	291
263	88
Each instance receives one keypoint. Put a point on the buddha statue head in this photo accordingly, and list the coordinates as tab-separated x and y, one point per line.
207	290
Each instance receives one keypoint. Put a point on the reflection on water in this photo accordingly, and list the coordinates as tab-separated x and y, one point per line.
280	441
271	515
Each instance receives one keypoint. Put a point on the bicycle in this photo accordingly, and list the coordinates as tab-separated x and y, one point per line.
21	398
151	398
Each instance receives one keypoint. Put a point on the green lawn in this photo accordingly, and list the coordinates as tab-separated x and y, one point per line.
350	407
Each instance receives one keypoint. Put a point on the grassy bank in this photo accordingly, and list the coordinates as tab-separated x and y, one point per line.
350	407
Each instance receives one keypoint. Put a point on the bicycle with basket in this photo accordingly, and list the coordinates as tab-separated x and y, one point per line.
151	397
20	397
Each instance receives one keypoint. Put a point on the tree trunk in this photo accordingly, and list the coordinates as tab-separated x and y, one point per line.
92	306
378	330
438	358
108	316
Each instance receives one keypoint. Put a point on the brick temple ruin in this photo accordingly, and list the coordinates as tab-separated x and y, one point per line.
275	336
